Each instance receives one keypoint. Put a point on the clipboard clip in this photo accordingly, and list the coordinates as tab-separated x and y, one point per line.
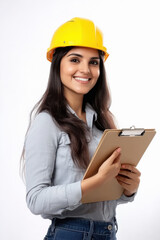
132	131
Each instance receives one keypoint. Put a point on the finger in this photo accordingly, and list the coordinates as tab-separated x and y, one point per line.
131	168
124	180
115	155
125	185
117	164
131	179
128	184
117	160
127	173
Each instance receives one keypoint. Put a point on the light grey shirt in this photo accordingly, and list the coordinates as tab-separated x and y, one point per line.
53	181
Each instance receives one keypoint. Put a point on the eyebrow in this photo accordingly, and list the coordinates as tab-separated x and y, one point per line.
78	55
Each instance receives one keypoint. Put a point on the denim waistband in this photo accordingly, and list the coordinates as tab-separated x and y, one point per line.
81	224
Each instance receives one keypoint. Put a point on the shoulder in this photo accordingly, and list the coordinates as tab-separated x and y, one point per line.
44	119
43	125
43	116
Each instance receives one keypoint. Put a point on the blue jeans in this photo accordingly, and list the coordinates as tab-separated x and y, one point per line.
81	229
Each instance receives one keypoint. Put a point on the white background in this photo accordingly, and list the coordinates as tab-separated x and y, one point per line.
131	34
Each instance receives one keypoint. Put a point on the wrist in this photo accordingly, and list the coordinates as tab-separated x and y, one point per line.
128	194
90	184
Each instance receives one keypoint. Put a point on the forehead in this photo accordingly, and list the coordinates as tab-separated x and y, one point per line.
84	51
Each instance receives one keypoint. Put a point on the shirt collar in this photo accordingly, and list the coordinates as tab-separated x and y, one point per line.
91	114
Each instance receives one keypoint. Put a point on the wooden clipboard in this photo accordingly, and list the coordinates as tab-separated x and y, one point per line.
133	143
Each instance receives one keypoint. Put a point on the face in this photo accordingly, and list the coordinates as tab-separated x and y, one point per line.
79	70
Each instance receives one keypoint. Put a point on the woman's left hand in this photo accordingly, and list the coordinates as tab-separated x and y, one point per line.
129	179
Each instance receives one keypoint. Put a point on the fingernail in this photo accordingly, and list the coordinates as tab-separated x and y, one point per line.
119	150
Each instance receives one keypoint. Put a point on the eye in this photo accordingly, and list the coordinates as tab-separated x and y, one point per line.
94	62
74	60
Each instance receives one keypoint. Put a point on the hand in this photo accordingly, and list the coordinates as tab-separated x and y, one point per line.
129	179
108	170
111	166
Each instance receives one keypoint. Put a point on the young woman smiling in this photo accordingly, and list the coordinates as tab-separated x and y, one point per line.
69	122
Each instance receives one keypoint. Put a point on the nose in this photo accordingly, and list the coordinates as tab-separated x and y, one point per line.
84	68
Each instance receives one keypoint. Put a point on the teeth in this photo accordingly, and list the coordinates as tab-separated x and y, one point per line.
82	79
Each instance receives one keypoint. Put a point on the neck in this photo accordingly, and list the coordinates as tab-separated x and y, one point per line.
76	105
75	101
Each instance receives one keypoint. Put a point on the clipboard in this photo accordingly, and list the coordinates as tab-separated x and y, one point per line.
133	143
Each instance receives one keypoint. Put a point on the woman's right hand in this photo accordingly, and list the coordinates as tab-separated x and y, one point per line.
110	167
108	170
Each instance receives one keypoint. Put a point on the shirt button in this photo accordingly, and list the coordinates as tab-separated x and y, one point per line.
109	227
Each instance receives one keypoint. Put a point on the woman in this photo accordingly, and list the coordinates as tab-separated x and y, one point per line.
69	122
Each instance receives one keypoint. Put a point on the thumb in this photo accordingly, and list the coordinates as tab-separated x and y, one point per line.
114	155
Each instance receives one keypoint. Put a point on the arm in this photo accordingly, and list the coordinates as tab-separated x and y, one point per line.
112	168
108	170
40	156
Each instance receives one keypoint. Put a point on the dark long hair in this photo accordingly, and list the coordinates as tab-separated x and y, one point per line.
54	102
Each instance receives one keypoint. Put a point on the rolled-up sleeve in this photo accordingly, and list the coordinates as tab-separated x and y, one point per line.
40	155
125	199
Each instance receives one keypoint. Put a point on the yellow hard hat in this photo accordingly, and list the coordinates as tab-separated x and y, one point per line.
77	32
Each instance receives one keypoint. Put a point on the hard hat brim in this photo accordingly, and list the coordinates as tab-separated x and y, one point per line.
50	52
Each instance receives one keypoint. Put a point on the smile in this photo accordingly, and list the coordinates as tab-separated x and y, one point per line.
82	79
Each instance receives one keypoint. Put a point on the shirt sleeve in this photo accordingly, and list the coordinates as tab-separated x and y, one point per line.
125	199
40	154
